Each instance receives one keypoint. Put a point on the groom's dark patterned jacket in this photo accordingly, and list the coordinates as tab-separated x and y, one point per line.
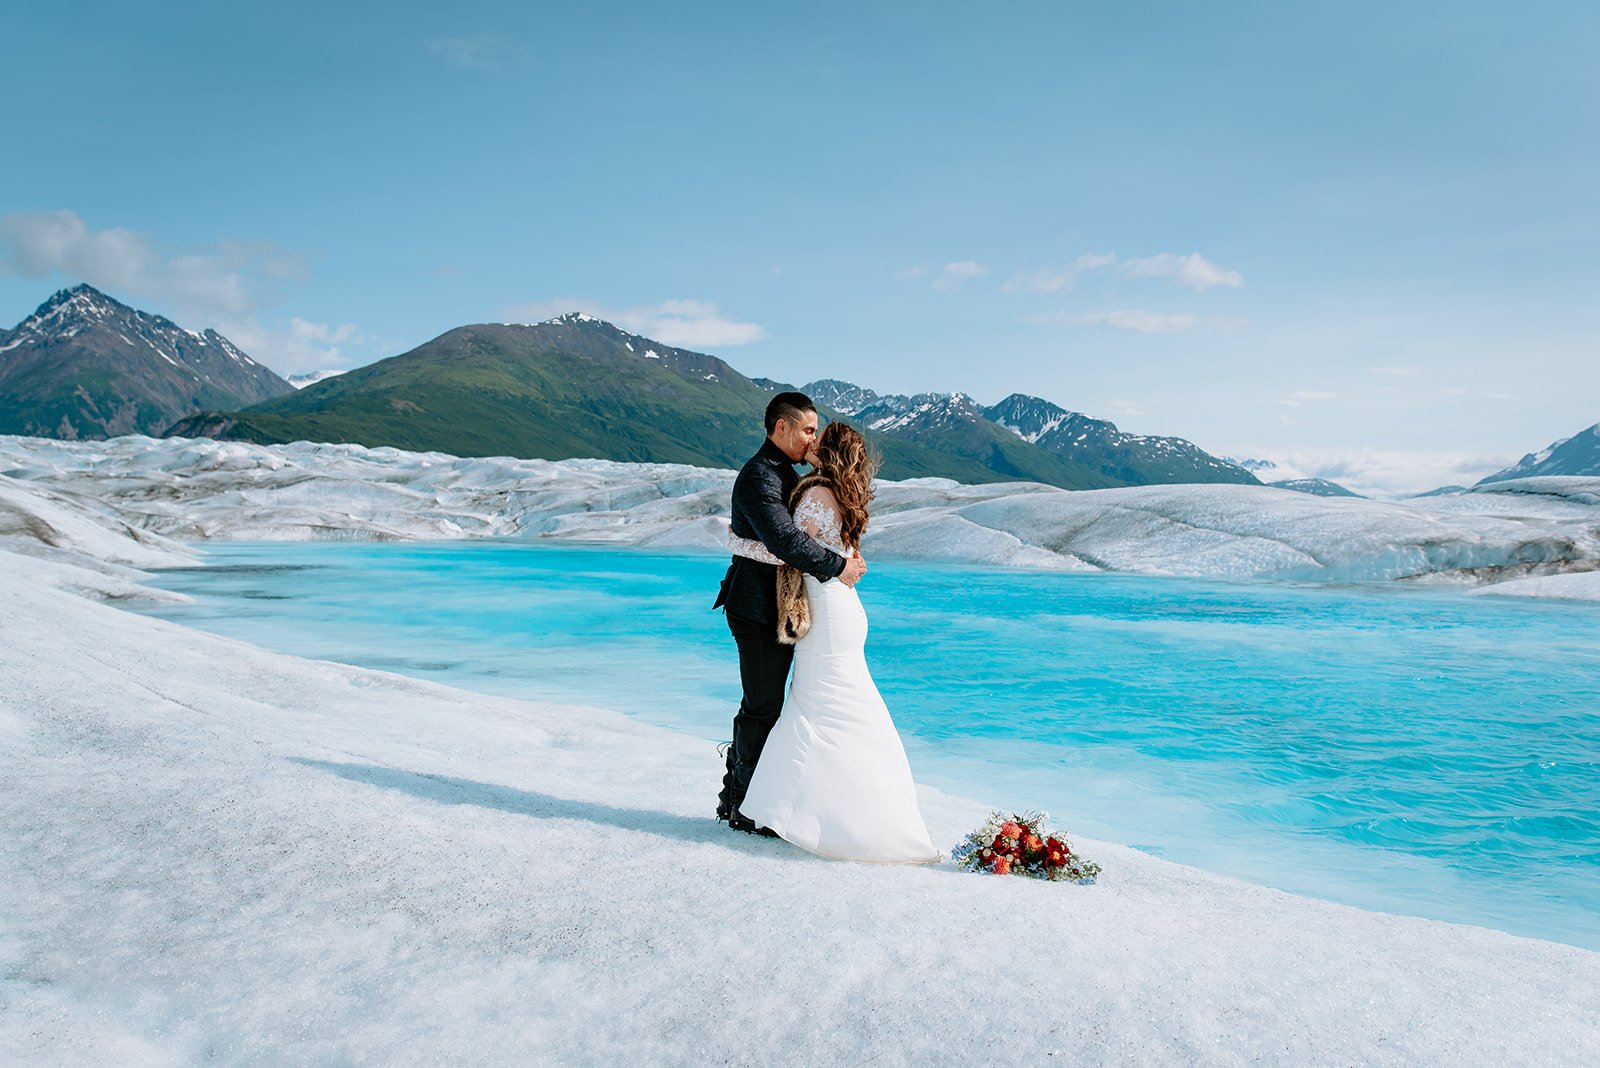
760	511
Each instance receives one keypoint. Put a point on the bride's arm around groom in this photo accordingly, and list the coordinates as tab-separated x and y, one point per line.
762	533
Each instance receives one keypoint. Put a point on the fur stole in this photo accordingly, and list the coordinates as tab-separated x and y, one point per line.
794	610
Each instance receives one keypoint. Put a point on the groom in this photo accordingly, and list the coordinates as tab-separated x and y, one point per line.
750	589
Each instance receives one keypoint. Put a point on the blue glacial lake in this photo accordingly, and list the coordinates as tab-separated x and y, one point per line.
1400	749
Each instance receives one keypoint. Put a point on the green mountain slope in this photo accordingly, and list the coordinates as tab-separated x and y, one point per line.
575	387
572	387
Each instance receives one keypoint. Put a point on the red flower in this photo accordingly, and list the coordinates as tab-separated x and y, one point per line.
1002	866
1011	830
1032	844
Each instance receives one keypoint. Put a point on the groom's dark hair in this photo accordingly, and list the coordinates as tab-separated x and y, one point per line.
790	406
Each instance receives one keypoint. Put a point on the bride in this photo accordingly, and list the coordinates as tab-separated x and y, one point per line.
833	778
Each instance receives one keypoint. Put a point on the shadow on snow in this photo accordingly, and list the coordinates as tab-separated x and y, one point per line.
447	790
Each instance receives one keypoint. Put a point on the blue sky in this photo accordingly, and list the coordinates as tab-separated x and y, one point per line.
1363	239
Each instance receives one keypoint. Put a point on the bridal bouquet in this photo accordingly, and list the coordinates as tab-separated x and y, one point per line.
1019	845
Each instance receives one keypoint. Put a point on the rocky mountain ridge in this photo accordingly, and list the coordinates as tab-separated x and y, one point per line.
84	365
1577	455
1094	444
577	386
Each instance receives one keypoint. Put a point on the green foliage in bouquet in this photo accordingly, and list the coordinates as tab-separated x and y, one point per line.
1020	845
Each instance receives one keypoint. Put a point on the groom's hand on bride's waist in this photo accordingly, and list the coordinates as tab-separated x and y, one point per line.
854	567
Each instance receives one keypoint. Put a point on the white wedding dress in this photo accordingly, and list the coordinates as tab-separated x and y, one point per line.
833	778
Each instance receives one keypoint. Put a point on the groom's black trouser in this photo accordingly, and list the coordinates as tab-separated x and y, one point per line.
763	670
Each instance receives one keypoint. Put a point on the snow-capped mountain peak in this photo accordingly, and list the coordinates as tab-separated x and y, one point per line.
1030	418
70	312
846	398
127	370
311	378
1577	455
637	344
925	410
67	313
570	318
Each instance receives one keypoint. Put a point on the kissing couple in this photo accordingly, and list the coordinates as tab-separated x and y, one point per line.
825	769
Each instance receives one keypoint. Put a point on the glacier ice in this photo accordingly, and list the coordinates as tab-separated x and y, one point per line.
181	805
159	495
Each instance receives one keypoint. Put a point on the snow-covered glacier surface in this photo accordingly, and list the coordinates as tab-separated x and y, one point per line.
161	494
218	852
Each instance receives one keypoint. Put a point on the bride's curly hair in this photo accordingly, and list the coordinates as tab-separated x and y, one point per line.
847	467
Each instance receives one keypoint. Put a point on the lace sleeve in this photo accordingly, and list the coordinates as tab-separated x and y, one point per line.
817	516
749	547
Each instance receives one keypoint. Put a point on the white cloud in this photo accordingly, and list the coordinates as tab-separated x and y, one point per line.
1143	322
40	243
955	274
227	279
322	332
221	285
1124	409
1380	472
1052	279
300	347
1193	271
682	323
698	322
1299	397
1042	280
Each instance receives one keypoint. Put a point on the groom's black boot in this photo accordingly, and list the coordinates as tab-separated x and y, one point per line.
741	822
738	821
725	807
735	783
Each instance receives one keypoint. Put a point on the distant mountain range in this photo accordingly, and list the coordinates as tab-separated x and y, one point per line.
86	366
579	386
572	387
956	422
1318	487
1577	455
